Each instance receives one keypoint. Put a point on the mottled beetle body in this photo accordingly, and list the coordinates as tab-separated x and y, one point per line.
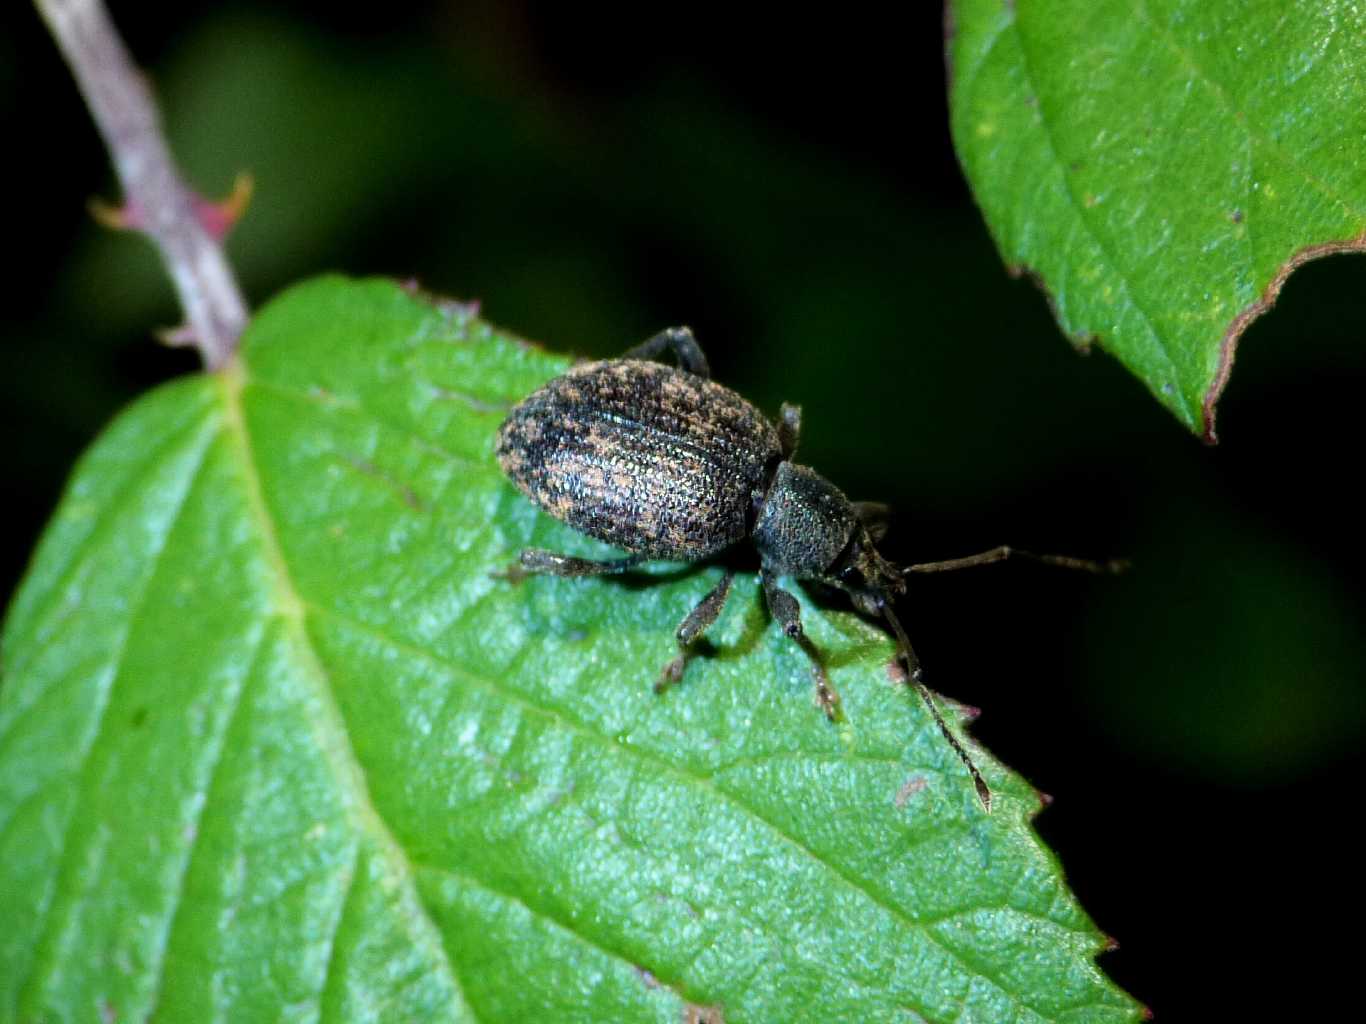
652	459
666	464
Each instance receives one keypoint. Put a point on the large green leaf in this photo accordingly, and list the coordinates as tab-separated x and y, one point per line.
274	744
1163	165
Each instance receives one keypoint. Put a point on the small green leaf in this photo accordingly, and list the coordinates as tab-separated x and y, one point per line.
1163	166
275	744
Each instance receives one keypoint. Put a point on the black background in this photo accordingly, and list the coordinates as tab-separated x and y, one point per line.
786	185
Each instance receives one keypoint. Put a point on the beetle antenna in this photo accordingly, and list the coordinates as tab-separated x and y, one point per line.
1000	554
912	668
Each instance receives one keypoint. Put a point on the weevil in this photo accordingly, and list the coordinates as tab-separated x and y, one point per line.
669	465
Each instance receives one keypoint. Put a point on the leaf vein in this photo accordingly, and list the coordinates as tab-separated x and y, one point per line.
47	941
218	746
356	408
135	476
555	922
328	977
670	769
1216	87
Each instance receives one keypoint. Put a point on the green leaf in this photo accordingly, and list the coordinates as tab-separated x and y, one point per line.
275	744
1162	167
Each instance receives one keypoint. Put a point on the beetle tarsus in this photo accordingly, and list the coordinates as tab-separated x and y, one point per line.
697	622
785	609
535	561
828	698
983	792
514	573
671	673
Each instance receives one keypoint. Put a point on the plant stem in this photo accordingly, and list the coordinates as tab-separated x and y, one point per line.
155	195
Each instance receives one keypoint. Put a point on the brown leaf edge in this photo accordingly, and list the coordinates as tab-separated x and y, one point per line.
1228	347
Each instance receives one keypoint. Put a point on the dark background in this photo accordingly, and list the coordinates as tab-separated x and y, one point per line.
788	188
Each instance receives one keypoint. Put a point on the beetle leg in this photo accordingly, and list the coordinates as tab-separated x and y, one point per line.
789	428
699	620
784	607
683	345
534	561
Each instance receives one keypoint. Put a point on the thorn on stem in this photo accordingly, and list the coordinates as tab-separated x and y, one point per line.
218	218
127	217
183	336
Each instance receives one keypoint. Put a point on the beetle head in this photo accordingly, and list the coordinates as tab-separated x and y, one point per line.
871	581
807	528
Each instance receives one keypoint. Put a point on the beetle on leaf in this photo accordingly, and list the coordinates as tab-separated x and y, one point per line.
667	464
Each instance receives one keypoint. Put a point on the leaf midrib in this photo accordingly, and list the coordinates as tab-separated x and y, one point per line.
333	740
